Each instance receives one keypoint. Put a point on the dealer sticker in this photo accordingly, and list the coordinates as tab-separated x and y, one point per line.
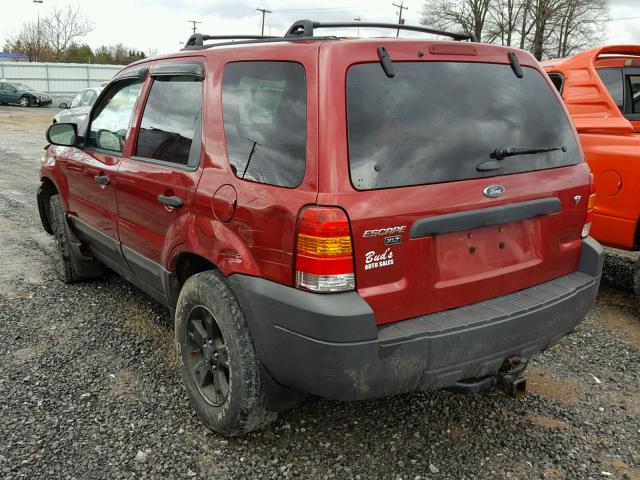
378	260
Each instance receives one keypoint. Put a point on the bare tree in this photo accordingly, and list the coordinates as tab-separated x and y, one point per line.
27	41
580	25
63	27
469	15
547	28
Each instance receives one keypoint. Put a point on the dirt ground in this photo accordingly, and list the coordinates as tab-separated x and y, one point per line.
89	388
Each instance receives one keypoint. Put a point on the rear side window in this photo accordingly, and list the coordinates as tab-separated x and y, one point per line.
558	81
612	78
634	92
438	121
111	119
265	121
170	126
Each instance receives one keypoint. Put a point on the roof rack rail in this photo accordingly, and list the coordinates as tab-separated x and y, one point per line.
197	39
305	28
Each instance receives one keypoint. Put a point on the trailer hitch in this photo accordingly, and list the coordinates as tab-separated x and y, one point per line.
509	379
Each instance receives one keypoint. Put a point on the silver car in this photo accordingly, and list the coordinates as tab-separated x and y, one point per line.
79	107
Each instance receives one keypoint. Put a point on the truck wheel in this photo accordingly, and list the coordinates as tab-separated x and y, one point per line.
25	101
217	357
69	268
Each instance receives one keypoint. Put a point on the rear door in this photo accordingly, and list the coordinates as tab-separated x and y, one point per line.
442	216
156	186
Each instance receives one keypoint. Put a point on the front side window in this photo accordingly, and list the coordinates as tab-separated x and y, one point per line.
443	121
171	121
88	98
265	121
111	119
77	100
612	78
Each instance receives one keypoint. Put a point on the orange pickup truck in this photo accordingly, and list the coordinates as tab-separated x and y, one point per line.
601	89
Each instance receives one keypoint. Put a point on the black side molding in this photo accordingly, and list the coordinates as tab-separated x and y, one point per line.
484	217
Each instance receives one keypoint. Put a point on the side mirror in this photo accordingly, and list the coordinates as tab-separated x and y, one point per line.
63	105
63	134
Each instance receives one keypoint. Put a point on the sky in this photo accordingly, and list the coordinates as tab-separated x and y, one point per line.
159	26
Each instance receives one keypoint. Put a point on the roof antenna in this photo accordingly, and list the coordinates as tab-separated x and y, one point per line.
515	65
385	61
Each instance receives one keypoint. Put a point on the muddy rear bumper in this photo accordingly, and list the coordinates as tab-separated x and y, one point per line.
329	345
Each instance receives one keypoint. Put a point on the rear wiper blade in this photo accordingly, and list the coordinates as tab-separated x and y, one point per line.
502	153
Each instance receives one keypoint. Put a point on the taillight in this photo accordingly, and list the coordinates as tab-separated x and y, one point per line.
590	205
324	255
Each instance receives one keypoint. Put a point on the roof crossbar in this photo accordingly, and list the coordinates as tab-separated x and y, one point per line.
305	28
197	39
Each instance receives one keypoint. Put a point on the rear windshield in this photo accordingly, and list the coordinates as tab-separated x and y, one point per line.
437	121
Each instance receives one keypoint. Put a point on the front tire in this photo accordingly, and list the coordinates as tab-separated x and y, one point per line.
217	357
68	267
25	101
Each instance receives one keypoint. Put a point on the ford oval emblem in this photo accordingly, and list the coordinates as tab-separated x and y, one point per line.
493	191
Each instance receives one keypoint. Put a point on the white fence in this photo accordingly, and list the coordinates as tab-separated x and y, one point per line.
57	78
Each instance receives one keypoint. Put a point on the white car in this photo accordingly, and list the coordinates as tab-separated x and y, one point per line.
79	107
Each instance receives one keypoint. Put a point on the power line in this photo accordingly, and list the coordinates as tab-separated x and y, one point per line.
400	20
264	12
624	18
194	24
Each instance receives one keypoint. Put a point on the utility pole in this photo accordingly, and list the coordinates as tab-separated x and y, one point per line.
264	12
39	2
194	25
400	20
358	19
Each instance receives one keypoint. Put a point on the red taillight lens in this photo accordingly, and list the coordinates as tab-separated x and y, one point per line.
324	255
590	206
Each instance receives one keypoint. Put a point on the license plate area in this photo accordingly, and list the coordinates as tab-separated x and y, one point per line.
482	253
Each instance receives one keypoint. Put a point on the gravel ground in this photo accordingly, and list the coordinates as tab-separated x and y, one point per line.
89	388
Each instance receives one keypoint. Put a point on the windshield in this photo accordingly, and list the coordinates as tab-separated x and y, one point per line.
437	121
21	87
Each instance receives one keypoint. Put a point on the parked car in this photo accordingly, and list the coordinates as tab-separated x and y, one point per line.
600	88
21	94
80	106
350	218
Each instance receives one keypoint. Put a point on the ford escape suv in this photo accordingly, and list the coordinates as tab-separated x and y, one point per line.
601	88
349	218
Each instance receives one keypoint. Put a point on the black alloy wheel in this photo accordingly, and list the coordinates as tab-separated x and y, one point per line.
208	359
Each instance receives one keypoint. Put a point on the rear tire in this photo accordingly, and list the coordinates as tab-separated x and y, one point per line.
217	357
25	101
68	267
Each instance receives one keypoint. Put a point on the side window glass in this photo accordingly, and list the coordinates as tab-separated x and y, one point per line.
88	98
612	78
265	121
558	81
634	91
77	101
111	119
170	127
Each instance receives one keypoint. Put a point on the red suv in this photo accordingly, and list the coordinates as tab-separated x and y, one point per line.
350	218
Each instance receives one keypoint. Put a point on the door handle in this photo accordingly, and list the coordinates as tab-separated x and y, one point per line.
102	180
172	201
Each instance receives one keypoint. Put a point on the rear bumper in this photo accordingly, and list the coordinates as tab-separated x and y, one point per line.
329	345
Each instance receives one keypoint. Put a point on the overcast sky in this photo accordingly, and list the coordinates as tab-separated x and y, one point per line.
160	25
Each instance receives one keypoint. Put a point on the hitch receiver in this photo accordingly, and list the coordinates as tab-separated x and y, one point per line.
510	378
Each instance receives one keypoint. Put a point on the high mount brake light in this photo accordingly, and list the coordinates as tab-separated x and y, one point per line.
590	205
324	253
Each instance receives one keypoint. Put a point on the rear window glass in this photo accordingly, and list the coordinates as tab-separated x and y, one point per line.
265	121
612	78
437	121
